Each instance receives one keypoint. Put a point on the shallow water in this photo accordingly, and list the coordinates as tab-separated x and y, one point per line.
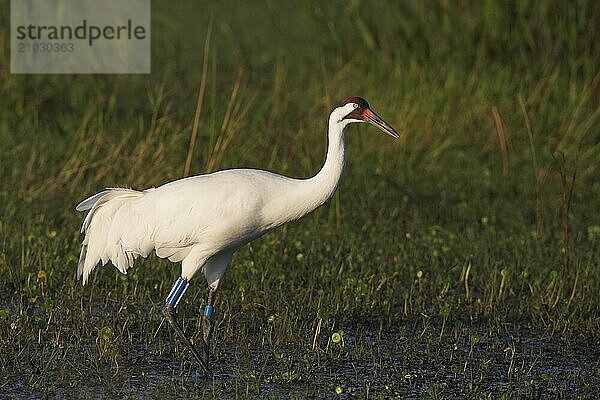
407	364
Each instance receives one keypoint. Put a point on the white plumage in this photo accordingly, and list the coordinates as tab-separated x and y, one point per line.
190	220
202	220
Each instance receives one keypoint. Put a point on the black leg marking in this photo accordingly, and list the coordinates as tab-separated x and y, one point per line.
170	315
207	326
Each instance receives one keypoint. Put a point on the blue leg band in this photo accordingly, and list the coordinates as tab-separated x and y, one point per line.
208	310
177	292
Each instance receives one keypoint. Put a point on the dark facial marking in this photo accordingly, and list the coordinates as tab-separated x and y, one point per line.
362	103
359	112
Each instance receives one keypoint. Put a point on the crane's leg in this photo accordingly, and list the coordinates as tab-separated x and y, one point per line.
169	311
207	326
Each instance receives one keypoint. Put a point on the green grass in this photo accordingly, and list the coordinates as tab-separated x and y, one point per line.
452	262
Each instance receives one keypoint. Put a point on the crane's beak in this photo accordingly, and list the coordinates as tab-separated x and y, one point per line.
376	120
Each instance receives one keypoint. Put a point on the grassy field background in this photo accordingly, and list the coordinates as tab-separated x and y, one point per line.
461	260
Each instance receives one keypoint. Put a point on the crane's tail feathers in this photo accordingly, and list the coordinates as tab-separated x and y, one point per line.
90	201
95	202
104	229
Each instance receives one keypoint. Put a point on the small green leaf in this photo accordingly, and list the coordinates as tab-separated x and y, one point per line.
4	314
337	337
106	334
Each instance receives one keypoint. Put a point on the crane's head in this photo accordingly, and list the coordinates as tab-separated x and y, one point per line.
356	109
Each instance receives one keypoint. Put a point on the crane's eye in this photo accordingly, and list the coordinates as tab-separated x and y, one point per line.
355	105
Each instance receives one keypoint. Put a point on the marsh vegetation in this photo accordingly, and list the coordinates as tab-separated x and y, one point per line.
459	261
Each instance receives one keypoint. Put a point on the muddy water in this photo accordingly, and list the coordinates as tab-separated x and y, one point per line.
404	364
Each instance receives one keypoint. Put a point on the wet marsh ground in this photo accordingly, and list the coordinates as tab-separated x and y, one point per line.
460	261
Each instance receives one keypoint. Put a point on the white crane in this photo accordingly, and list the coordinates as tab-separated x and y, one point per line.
202	220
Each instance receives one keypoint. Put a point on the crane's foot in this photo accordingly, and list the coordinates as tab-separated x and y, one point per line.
170	315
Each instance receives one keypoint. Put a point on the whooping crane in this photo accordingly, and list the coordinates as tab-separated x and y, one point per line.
202	220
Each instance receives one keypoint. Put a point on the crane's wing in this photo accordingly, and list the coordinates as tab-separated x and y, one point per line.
101	229
188	220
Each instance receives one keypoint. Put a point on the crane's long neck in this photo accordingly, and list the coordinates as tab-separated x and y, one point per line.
308	194
323	185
